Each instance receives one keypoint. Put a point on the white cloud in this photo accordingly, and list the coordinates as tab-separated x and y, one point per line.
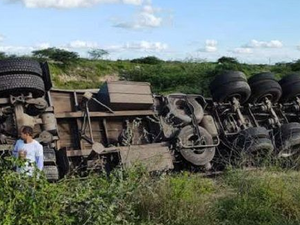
243	51
16	49
43	45
143	46
81	45
210	46
147	17
65	4
13	49
264	44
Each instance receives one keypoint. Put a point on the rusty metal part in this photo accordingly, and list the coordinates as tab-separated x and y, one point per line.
209	124
237	108
22	118
45	137
39	103
49	121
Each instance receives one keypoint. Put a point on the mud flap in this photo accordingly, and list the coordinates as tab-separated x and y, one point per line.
154	157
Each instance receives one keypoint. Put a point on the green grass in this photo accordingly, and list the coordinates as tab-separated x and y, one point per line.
266	196
165	77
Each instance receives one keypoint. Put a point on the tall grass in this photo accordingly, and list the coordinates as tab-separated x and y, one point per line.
165	77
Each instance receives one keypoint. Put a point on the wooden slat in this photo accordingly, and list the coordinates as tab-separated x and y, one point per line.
59	115
131	99
129	88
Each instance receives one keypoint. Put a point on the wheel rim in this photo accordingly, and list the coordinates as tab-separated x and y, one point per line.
193	140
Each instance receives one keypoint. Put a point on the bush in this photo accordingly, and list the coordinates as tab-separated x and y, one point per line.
56	54
95	199
152	60
134	197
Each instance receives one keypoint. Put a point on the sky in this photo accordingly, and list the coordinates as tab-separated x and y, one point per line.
252	31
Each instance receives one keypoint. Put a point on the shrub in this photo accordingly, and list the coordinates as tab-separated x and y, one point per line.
152	60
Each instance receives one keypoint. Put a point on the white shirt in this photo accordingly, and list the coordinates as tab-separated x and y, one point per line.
33	150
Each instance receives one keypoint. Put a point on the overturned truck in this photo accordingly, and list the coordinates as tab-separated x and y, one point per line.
123	123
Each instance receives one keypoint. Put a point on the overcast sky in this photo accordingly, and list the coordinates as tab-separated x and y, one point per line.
254	31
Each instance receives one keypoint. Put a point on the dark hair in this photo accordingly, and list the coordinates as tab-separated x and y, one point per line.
27	130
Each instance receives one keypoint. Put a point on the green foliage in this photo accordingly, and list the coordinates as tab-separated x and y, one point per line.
176	199
152	60
228	60
134	197
97	53
96	199
261	197
296	66
56	54
28	200
177	77
3	55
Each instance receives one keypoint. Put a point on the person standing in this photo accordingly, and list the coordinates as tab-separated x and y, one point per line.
29	149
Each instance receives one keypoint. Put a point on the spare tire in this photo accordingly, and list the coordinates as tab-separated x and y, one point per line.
198	157
179	110
228	85
264	85
290	85
20	65
15	84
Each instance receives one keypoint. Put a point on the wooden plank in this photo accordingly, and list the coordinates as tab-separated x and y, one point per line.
129	88
62	102
60	115
131	99
155	157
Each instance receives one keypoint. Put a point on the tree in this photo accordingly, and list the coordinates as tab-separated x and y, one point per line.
225	59
3	55
56	54
148	60
98	53
296	65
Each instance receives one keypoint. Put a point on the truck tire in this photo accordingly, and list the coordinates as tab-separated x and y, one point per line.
227	77
49	155
51	173
287	140
20	65
290	85
287	129
255	140
288	146
256	132
264	85
198	157
22	84
238	89
290	78
46	76
230	84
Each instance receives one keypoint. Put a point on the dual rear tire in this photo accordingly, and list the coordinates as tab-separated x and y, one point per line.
23	76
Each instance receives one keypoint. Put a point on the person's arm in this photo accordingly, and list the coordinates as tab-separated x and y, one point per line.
16	149
39	157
